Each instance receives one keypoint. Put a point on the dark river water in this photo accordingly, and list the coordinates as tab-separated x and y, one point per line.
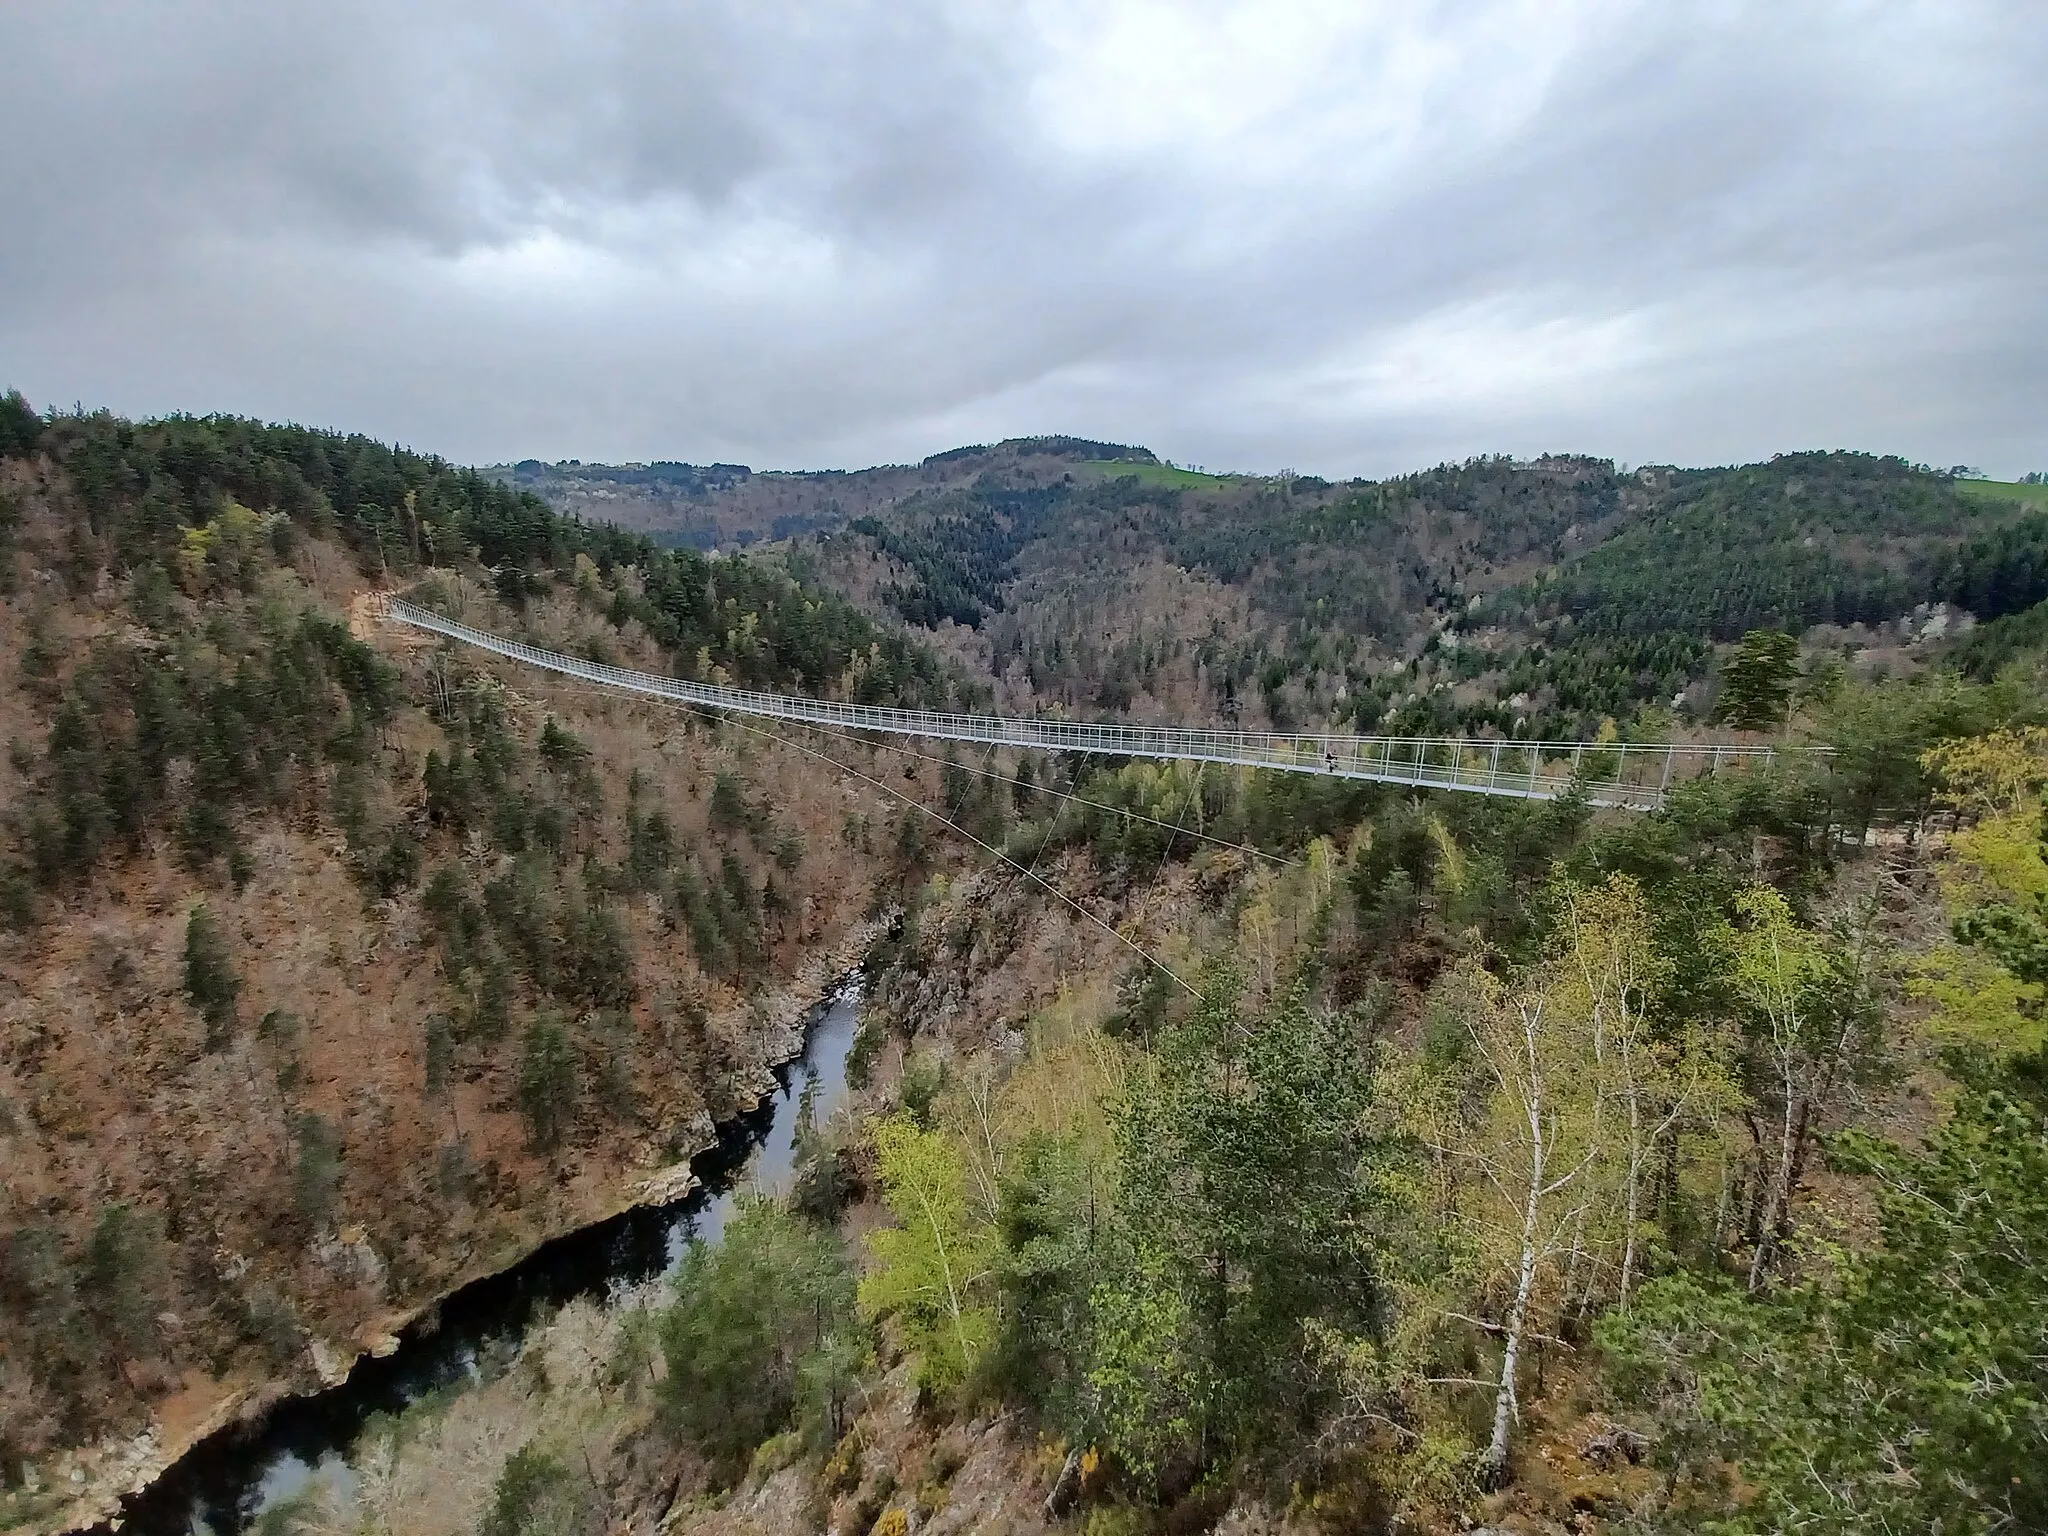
224	1484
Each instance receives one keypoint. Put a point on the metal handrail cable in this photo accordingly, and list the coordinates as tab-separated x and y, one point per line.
1382	759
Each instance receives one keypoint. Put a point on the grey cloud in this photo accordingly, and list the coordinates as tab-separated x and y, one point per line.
813	233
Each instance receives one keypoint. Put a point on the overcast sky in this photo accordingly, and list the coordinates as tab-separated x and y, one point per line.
1339	237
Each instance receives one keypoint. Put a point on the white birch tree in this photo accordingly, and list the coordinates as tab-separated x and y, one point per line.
1532	1153
1650	1077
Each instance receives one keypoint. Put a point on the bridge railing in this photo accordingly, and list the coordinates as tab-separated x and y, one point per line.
1633	775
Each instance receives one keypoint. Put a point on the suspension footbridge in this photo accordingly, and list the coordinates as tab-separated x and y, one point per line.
1629	775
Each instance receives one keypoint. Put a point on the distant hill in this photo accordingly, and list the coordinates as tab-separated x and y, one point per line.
1521	596
1077	449
706	506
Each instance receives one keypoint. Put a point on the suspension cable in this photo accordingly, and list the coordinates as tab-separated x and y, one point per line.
716	718
1172	828
1118	935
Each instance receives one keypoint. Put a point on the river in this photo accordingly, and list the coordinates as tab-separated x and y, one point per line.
225	1483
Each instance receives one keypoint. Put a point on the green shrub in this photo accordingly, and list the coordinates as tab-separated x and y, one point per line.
761	1327
123	1276
210	980
548	1082
17	898
316	1170
537	1495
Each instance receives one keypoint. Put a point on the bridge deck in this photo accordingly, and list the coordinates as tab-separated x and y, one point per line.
1628	775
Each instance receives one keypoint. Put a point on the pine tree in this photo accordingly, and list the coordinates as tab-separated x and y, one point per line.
123	1276
21	429
547	1082
1756	682
1902	1389
210	979
316	1170
758	1334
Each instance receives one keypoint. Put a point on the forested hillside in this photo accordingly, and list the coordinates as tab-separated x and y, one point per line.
1440	1163
710	506
1229	1151
1806	539
1534	599
1398	1163
336	969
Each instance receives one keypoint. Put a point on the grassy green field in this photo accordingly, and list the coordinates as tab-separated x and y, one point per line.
1153	474
2005	490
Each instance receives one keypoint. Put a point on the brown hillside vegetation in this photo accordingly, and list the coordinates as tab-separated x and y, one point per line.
1280	1153
390	969
731	505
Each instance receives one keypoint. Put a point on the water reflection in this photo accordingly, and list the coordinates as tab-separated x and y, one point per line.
226	1484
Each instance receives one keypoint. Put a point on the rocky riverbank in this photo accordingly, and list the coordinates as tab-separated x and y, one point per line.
85	1490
